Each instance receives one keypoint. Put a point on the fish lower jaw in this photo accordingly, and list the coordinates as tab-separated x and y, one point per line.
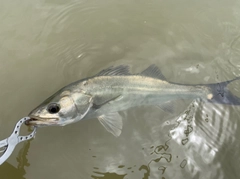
35	121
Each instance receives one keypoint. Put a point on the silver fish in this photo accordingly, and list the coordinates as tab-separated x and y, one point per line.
115	89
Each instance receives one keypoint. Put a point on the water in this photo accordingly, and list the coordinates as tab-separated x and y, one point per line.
47	44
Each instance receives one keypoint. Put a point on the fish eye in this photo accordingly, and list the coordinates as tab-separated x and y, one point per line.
53	108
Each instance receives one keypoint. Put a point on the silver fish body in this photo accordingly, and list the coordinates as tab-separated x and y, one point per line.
117	93
111	91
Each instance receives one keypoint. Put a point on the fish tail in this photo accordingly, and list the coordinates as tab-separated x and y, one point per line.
221	94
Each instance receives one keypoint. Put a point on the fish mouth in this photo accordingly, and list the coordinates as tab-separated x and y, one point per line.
37	121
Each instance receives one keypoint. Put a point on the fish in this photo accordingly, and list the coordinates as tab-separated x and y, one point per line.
115	89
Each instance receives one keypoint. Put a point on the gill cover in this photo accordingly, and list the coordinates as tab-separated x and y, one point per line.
83	103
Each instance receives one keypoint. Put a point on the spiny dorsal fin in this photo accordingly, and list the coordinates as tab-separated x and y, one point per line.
154	72
115	71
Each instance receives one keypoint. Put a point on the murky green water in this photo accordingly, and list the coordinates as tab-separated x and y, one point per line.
47	44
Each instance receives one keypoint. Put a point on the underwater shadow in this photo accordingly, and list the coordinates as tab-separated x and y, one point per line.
8	171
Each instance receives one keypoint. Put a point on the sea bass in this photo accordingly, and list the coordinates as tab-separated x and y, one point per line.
116	89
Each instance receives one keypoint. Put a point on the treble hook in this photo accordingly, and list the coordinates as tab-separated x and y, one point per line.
8	145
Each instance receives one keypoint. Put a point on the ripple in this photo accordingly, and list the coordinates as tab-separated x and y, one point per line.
67	46
212	132
59	18
66	32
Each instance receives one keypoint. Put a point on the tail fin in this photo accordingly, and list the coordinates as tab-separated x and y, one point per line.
221	93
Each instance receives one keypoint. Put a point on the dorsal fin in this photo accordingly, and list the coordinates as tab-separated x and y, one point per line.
154	72
115	71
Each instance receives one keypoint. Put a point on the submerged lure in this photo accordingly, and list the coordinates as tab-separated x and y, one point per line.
115	89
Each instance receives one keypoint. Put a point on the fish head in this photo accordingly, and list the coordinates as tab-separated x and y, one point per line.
59	110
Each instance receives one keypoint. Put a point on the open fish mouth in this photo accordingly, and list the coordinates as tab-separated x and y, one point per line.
36	121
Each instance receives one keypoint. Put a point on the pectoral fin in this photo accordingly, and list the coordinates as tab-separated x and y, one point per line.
112	123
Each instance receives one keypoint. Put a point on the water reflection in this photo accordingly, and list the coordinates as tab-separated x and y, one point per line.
193	145
9	171
108	176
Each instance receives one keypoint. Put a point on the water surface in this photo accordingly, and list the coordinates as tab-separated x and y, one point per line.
47	44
